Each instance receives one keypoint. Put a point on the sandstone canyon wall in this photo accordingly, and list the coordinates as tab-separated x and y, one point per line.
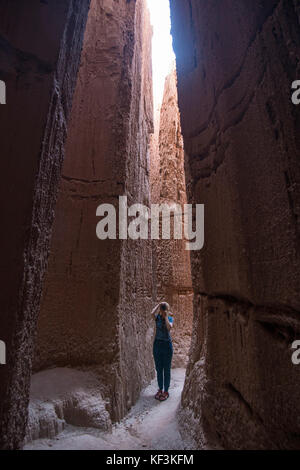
172	265
98	294
40	52
236	62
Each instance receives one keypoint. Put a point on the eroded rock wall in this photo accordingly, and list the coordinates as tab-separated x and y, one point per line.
173	270
136	286
97	296
63	396
236	62
40	52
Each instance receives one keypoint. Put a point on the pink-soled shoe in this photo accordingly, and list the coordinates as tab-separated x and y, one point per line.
164	396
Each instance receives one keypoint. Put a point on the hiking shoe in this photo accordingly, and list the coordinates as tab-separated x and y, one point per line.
164	396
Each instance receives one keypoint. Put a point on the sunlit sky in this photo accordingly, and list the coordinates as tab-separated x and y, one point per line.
162	50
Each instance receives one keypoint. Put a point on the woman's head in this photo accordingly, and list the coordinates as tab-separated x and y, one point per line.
164	307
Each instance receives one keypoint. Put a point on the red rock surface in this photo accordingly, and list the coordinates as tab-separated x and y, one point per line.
172	260
97	296
236	62
40	51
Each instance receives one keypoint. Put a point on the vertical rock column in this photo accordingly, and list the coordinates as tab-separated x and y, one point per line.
173	270
95	308
236	62
136	286
40	52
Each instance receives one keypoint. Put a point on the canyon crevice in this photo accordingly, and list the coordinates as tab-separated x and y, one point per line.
171	260
77	131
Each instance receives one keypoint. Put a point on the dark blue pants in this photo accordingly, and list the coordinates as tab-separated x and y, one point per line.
163	352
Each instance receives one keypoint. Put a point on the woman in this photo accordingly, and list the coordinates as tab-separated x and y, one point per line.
163	349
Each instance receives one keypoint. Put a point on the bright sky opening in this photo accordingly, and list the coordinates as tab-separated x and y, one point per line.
163	57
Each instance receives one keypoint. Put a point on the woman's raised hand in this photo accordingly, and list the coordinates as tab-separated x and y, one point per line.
155	309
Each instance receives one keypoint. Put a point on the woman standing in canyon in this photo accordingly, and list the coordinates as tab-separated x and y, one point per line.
163	348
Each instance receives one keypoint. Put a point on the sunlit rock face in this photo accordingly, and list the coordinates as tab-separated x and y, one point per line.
40	53
98	294
172	260
236	62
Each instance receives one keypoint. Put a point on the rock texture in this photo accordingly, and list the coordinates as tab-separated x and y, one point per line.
97	296
40	51
172	260
236	62
65	396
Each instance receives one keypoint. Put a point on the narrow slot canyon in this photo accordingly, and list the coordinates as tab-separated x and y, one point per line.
86	124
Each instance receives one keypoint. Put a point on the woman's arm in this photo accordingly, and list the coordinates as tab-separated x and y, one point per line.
169	325
155	310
